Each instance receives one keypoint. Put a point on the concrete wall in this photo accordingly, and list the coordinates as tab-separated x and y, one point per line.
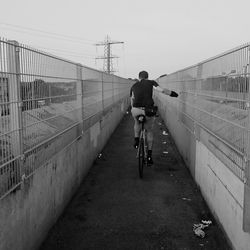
27	214
222	190
224	194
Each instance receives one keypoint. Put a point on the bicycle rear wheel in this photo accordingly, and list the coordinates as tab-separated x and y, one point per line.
141	157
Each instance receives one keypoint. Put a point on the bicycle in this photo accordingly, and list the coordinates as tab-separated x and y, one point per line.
142	151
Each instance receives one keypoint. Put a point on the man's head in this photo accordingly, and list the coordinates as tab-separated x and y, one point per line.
143	75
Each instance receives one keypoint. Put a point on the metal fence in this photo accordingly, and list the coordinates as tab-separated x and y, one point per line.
214	96
42	97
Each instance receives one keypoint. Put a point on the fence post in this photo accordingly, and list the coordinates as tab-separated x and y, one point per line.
197	90
113	91
79	90
15	110
246	203
102	92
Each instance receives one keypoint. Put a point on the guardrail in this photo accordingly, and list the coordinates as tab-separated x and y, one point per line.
214	96
42	97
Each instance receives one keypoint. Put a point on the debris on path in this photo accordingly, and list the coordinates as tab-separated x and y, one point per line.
186	199
198	228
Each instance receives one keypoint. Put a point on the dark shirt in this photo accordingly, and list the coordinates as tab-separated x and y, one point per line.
143	91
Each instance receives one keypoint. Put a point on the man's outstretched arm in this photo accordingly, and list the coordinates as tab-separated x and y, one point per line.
166	91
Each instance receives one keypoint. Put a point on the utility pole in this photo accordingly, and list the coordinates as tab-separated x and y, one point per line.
108	63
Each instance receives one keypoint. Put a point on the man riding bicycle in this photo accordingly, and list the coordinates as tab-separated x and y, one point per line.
141	95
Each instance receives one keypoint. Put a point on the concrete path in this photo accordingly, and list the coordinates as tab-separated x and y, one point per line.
115	209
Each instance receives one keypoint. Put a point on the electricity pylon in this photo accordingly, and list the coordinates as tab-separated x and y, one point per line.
108	63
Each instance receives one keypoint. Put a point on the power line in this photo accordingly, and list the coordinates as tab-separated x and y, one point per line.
66	51
32	32
49	33
45	36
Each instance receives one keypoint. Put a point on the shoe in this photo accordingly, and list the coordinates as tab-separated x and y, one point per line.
150	160
136	142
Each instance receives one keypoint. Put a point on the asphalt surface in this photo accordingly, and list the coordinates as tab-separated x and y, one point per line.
115	209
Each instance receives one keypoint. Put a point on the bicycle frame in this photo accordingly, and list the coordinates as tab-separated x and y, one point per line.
143	136
142	151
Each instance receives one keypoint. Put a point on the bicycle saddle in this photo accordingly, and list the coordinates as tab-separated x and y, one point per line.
141	118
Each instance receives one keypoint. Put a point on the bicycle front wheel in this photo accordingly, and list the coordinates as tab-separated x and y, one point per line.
141	157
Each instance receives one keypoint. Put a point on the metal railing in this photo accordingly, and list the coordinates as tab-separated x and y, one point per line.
42	97
214	96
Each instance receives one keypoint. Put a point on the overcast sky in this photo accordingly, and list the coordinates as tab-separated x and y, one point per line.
160	36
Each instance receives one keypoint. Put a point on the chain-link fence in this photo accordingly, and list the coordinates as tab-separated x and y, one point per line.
214	96
41	98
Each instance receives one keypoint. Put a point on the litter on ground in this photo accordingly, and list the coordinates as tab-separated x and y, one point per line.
198	228
206	222
186	199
